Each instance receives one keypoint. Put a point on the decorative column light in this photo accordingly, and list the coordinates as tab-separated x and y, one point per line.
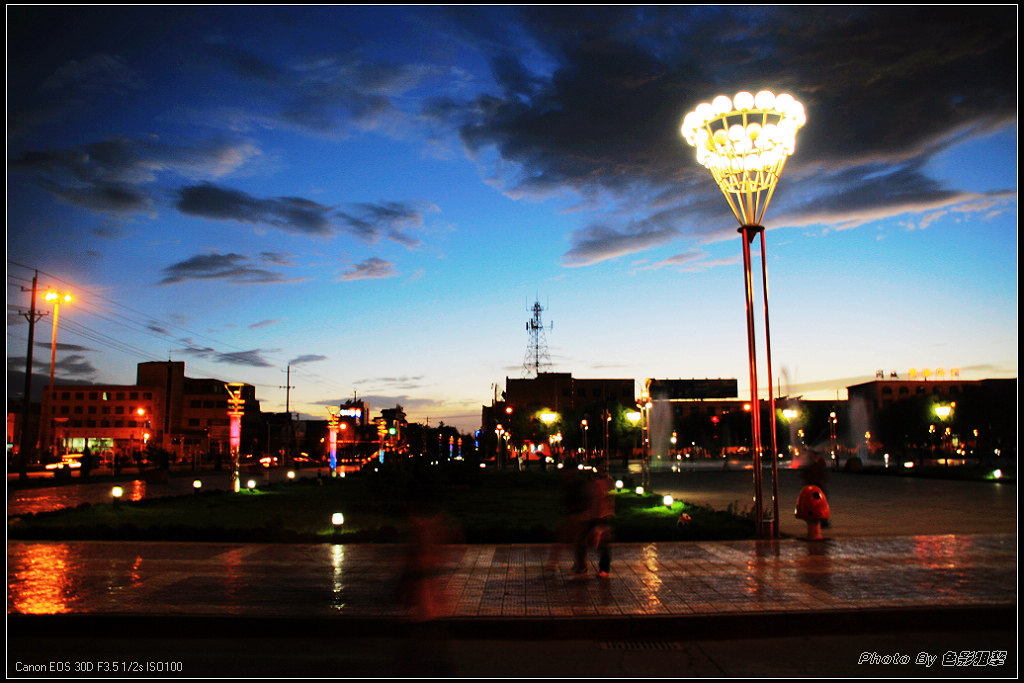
333	424
235	411
744	141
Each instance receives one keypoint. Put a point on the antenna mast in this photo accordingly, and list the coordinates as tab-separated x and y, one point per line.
537	357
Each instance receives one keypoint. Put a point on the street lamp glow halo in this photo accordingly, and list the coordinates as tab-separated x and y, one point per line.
744	141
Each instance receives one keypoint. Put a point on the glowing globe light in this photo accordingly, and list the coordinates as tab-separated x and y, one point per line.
668	501
744	141
337	519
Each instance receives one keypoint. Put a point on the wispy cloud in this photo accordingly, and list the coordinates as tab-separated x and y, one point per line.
234	268
308	358
371	268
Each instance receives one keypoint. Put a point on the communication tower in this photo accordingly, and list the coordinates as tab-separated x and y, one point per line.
537	358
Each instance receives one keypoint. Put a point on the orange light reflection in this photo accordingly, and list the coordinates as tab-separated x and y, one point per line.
42	586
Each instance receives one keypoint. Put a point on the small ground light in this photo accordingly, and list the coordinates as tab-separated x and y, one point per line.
619	484
291	474
997	474
639	490
337	519
117	492
251	484
197	484
668	501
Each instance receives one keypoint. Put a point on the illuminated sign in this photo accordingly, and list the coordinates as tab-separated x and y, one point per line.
925	373
351	412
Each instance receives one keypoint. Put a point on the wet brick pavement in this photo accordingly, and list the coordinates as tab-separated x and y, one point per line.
511	584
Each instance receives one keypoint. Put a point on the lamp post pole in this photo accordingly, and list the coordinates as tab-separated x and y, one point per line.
56	298
744	141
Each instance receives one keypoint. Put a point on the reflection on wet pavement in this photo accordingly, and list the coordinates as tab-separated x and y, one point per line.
510	580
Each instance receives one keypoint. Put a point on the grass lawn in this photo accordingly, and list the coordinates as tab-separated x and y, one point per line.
482	507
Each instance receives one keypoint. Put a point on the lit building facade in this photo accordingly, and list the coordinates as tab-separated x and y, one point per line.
186	417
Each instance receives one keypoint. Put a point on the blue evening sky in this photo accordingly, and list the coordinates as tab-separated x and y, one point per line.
375	196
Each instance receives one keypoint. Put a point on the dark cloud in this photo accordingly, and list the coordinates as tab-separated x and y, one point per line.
253	358
371	268
234	268
599	242
308	358
62	346
74	365
278	258
118	175
332	94
391	220
602	117
292	214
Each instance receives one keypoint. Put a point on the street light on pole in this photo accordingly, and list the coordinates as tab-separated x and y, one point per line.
744	141
56	298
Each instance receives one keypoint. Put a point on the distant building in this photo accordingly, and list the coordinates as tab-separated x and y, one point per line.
184	416
561	392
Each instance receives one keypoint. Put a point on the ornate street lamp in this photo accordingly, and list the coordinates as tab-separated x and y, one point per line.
236	409
333	424
744	141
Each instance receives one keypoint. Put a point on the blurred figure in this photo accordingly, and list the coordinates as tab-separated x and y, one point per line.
421	586
575	509
599	527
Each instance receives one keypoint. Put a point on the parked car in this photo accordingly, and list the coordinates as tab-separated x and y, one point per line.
70	461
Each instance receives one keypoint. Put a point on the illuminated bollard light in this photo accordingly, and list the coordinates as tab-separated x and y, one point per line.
251	485
668	501
337	519
117	492
639	490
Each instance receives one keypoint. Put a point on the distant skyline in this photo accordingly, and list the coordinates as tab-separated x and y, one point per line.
375	196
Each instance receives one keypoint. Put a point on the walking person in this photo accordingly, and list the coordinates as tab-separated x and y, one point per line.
575	510
599	529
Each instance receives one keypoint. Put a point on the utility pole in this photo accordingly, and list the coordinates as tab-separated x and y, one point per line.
32	316
288	409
